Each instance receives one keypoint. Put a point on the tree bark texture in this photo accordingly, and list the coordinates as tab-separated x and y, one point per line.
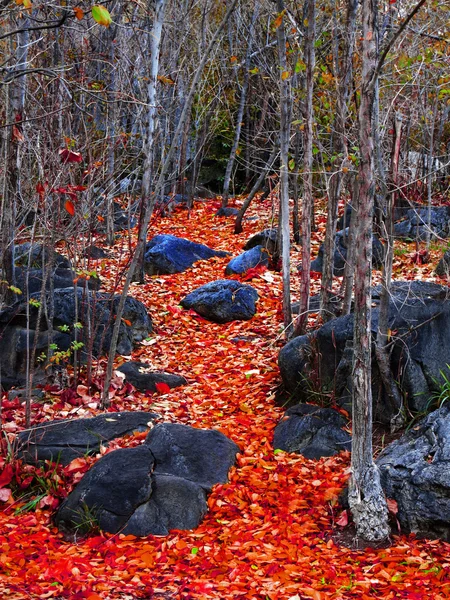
308	201
344	70
366	497
285	127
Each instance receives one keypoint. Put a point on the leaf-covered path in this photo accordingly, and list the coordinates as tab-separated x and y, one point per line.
268	531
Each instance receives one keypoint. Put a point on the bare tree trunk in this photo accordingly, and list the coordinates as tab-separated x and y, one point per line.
308	200
146	195
430	168
240	115
111	125
366	498
340	150
382	356
13	137
285	126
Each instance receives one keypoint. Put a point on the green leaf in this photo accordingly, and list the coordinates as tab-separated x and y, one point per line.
194	551
15	289
101	15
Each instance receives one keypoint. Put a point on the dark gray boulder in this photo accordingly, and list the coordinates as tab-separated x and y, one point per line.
109	492
175	503
415	472
226	211
314	305
94	310
267	239
95	252
200	455
340	254
35	262
158	486
249	259
416	226
59	278
311	431
419	316
167	204
62	441
140	375
223	301
443	267
166	254
36	256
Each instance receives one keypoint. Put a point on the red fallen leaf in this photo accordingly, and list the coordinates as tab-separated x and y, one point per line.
343	519
70	156
78	464
17	135
6	475
49	501
421	257
175	310
392	506
162	388
40	189
70	207
5	494
127	322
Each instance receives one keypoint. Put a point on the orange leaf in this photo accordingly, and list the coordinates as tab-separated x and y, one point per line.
79	13
69	206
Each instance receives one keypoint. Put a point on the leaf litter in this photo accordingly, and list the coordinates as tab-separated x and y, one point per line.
268	532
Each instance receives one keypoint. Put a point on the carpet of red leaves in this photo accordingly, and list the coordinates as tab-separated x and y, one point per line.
268	532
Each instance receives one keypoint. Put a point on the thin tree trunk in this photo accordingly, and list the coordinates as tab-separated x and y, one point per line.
340	150
240	115
366	498
308	201
382	355
155	44
285	127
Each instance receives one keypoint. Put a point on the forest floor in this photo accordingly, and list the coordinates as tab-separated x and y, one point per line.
269	531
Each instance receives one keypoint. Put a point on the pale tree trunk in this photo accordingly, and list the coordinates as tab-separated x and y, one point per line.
344	76
146	195
150	200
430	167
381	351
13	137
308	201
285	127
111	111
240	115
366	498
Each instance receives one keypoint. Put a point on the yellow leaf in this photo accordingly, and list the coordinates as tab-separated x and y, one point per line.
285	75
